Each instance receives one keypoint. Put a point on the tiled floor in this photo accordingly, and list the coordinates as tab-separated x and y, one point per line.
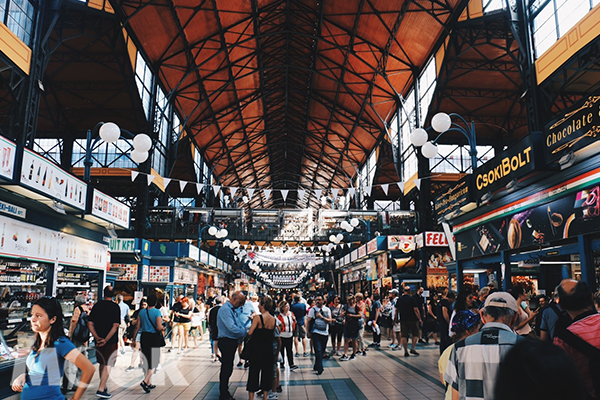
382	374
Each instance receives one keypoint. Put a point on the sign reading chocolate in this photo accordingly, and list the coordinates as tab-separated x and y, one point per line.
513	163
457	196
573	130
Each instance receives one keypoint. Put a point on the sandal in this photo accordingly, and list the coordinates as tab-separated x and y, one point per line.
144	386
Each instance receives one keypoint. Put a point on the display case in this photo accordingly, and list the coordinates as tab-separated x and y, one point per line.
21	284
72	282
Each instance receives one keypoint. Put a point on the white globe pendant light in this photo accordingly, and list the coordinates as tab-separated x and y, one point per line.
418	137
142	142
441	122
429	150
110	132
212	231
139	156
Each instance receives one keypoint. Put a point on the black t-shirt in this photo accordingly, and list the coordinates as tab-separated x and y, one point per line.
104	314
177	307
419	301
444	303
406	305
185	311
212	318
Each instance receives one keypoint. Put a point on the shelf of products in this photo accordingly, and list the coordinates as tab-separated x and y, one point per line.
21	284
73	282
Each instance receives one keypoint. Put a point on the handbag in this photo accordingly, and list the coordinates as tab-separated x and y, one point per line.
159	339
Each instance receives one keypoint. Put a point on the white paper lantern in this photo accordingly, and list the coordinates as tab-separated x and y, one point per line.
344	225
441	122
227	243
236	251
429	150
349	228
222	233
418	137
354	222
110	132
339	237
332	238
235	243
212	230
138	156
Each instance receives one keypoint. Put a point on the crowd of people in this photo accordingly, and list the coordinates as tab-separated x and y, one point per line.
493	344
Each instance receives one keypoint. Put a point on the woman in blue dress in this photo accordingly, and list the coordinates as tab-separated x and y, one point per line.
45	363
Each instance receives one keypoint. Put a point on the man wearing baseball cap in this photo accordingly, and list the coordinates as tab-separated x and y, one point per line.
474	360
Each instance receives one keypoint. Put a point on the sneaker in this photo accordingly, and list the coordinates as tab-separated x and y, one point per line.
297	355
259	393
279	389
151	386
406	354
247	364
378	345
158	367
364	353
103	394
305	355
130	368
272	396
393	345
281	366
240	364
293	367
344	358
413	351
352	357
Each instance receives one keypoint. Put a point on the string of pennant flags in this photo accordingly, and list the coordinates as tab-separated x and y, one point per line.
351	191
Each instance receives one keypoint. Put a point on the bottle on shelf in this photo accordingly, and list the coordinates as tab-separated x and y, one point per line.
30	171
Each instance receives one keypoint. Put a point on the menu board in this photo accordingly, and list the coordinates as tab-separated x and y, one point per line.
159	274
8	150
48	178
110	209
130	271
185	276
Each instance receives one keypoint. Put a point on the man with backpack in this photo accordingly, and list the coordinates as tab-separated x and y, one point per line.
79	334
581	339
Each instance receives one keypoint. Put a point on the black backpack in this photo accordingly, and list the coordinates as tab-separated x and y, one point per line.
81	333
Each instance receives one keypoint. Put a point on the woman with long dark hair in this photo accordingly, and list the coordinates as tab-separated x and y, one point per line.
149	322
49	351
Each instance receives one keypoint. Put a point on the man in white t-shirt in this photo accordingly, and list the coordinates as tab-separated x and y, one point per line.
319	318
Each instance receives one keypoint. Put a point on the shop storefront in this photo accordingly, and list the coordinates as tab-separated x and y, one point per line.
435	256
548	225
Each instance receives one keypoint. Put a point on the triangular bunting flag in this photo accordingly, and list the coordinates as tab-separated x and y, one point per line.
368	190
418	184
233	190
134	174
385	188
166	182
349	245
301	194
335	193
182	185
351	192
150	179
318	193
198	187
216	189
312	248
401	187
284	193
267	193
250	192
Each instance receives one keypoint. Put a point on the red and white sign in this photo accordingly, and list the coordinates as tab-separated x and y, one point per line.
406	243
362	251
372	246
431	239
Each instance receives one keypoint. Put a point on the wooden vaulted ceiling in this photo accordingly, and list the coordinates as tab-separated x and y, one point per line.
286	94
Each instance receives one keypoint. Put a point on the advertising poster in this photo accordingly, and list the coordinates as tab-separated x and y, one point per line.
575	214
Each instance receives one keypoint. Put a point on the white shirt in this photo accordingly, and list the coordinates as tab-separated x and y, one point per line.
325	312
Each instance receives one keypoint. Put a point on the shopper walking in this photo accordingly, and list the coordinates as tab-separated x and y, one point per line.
287	326
351	316
184	322
79	337
196	322
213	328
260	374
104	322
407	313
361	304
136	340
336	328
318	319
374	316
299	309
50	350
231	332
124	308
150	325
